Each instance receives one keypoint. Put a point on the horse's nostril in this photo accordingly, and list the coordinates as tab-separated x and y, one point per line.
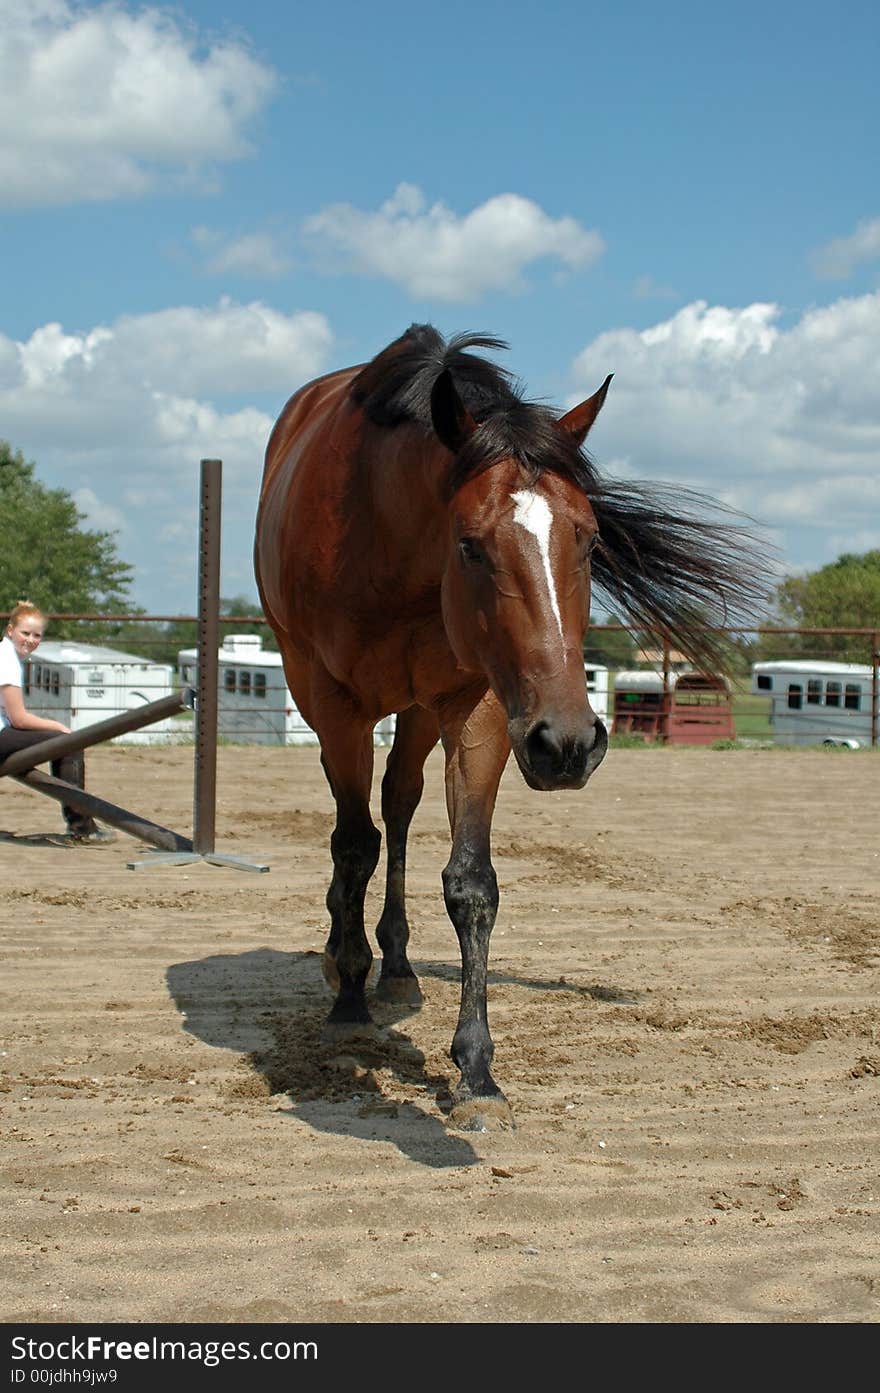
551	756
541	743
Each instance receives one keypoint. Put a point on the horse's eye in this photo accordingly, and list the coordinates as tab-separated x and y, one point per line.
588	544
468	550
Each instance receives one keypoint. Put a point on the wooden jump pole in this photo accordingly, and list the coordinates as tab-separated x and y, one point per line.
132	823
21	766
59	745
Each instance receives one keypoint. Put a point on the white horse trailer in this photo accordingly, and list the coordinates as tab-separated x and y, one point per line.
597	688
81	683
817	703
254	705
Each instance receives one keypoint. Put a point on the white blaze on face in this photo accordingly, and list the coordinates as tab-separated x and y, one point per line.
533	513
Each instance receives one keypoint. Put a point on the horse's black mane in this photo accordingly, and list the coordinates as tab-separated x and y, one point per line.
675	573
396	385
396	388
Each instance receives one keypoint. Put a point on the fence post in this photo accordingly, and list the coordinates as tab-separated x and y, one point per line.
208	644
875	686
205	790
667	692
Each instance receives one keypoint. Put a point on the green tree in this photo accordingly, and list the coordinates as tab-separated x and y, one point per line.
46	555
185	634
613	648
239	607
844	594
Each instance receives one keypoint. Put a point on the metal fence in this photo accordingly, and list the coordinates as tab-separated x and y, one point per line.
789	685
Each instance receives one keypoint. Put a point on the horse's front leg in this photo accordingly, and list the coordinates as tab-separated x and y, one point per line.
415	735
476	746
347	758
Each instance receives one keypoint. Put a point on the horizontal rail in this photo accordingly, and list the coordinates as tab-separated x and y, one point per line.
258	621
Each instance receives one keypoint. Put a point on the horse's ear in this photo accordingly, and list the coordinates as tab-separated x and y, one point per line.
579	419
451	419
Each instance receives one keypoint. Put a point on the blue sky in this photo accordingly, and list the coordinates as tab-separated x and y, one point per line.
204	206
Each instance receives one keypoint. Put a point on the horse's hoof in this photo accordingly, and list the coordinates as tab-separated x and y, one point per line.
491	1113
402	991
339	1032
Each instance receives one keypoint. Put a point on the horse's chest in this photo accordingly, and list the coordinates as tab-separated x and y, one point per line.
397	664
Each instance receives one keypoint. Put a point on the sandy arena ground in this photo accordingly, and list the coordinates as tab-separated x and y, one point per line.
684	1003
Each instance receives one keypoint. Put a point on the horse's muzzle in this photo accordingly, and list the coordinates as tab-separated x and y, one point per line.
553	758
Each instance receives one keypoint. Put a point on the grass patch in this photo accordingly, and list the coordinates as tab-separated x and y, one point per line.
626	740
751	714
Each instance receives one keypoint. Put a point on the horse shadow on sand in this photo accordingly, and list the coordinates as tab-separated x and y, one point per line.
271	1008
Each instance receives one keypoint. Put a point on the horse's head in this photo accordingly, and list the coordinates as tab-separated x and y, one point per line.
516	588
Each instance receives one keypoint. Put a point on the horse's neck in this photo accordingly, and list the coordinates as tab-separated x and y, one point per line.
402	472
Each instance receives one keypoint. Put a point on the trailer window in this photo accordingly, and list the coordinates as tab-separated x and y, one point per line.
56	682
814	692
832	693
37	673
229	679
765	683
27	678
47	679
852	697
259	684
795	696
244	683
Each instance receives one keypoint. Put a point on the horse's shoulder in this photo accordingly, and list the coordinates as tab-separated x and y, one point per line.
320	397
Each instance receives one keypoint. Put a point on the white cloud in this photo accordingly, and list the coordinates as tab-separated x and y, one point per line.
175	353
822	498
783	423
857	542
120	415
102	102
102	517
253	254
646	288
435	254
840	257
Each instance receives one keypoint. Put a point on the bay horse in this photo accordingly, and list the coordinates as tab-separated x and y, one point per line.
425	541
